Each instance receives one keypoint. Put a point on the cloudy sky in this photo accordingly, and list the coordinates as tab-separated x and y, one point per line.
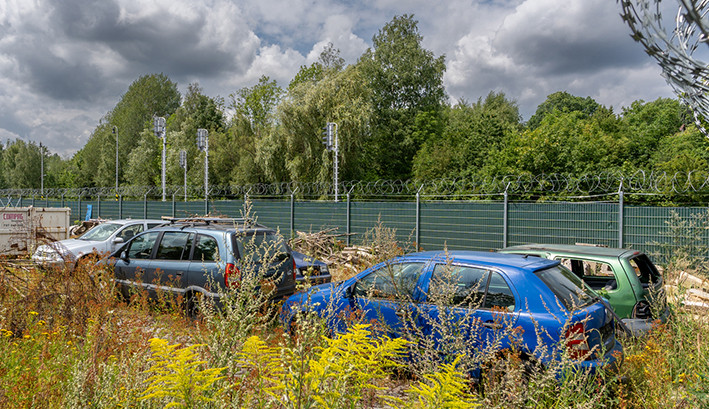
65	64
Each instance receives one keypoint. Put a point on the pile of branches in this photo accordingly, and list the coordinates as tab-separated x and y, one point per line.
328	246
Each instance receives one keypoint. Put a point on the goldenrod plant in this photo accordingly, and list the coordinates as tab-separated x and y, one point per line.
177	377
339	375
444	389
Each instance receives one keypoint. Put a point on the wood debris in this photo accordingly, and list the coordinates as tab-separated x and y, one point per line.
327	246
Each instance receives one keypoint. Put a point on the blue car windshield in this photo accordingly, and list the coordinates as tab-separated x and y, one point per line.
567	287
101	232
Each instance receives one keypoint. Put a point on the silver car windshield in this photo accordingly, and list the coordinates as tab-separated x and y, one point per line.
101	232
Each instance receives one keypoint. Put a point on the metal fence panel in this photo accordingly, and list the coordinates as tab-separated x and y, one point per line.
563	223
310	216
394	215
468	225
663	230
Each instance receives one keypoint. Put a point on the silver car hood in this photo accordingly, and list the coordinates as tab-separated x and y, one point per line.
76	248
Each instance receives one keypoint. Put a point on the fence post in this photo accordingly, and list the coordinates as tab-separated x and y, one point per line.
347	222
33	200
292	214
145	206
120	206
62	199
418	218
78	206
505	218
620	217
173	204
98	206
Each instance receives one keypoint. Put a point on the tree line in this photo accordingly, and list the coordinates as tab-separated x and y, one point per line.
395	121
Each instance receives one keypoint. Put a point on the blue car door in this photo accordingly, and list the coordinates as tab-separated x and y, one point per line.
388	294
466	307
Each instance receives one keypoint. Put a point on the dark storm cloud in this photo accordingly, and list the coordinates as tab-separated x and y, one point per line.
161	41
58	78
579	38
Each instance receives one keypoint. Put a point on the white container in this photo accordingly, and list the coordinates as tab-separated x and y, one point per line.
22	229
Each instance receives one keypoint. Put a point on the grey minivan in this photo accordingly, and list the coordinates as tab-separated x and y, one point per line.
192	257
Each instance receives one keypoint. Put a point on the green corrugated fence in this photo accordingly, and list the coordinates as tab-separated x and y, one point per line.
457	224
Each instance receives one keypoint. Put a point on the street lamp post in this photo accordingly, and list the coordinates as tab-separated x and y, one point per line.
183	164
203	145
331	143
159	123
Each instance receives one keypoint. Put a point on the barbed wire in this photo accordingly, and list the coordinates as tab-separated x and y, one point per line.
640	182
673	48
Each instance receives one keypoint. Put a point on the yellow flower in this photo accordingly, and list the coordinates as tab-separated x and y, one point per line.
32	313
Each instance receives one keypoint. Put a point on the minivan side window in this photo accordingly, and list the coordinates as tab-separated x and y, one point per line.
142	246
174	245
206	249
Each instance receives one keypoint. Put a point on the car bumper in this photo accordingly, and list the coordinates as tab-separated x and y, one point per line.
610	361
314	280
640	327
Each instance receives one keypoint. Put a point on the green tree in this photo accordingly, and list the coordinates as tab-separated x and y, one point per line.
340	95
683	152
148	96
405	80
564	102
564	142
251	151
20	164
470	134
145	161
646	124
197	111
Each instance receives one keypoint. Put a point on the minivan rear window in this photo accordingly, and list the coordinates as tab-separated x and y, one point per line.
262	244
567	287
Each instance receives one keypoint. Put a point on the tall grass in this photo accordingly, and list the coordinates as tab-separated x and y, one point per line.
67	341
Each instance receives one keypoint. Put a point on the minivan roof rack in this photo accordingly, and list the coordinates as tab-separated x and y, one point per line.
207	220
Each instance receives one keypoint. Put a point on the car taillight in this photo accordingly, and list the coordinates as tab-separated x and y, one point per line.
576	341
231	276
294	270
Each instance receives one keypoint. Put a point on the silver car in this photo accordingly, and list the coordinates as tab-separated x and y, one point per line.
105	238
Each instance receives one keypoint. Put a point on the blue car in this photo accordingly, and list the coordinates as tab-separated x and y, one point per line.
528	304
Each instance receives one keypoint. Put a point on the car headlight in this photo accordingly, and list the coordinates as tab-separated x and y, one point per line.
47	253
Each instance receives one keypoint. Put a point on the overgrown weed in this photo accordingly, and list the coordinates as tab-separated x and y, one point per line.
68	342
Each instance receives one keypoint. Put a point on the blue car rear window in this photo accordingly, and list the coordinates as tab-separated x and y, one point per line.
567	287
